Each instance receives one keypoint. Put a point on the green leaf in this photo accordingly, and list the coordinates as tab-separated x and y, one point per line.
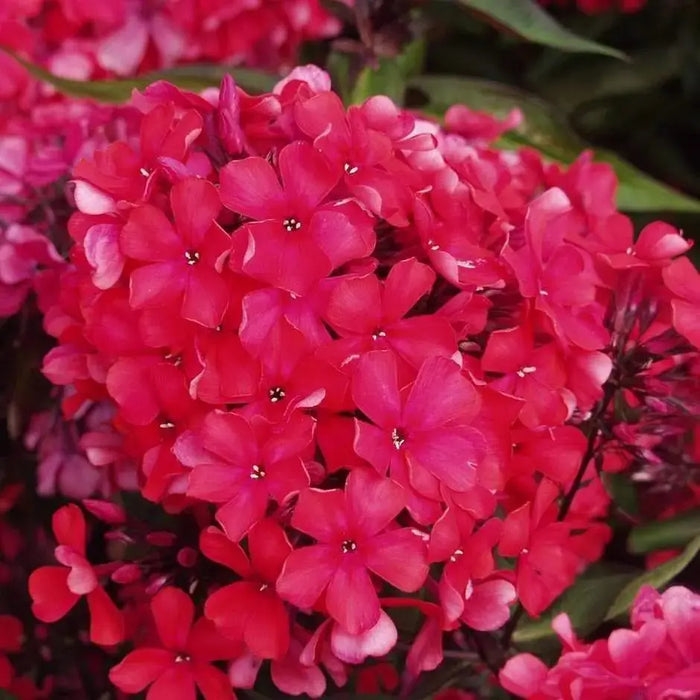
593	78
339	66
194	77
547	130
390	76
666	534
658	578
528	20
639	192
586	603
622	491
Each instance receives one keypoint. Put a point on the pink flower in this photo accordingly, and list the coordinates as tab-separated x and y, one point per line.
425	431
369	315
352	540
294	240
183	259
246	464
658	658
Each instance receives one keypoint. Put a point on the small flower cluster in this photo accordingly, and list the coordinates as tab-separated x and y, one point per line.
84	40
372	363
38	148
658	658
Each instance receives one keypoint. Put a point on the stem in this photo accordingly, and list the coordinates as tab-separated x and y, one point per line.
565	506
591	447
490	652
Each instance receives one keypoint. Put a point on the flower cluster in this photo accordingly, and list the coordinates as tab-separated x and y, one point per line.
84	40
658	658
370	362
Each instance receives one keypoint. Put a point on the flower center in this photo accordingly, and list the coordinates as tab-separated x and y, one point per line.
257	472
276	394
182	658
350	169
291	224
397	438
192	257
173	358
348	546
379	333
456	555
526	370
167	425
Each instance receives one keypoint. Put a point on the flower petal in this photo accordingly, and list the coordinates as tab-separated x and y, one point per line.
148	235
68	525
306	174
173	612
140	668
441	394
375	388
306	574
351	599
400	558
195	205
321	514
250	187
106	620
406	283
51	598
206	296
377	641
372	501
175	682
246	508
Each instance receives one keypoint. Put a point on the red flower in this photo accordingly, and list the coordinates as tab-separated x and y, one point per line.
656	244
183	661
294	240
246	464
250	610
293	376
426	428
183	258
470	589
56	589
549	555
118	173
558	276
369	315
683	279
365	156
229	373
536	374
351	530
